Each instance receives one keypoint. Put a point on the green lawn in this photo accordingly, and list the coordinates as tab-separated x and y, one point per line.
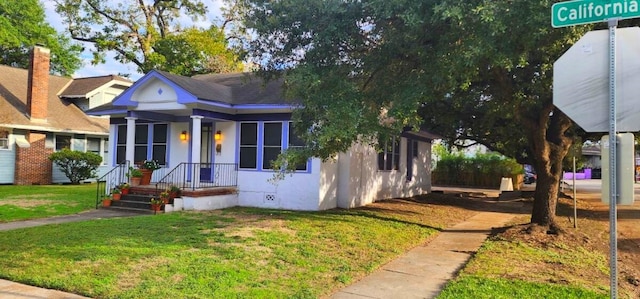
258	253
236	253
31	202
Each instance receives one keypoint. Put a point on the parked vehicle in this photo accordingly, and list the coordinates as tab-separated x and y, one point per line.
529	174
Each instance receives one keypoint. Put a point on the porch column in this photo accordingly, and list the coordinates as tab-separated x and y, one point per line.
131	139
196	144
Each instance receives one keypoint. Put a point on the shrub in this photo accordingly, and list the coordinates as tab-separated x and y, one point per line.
76	165
483	170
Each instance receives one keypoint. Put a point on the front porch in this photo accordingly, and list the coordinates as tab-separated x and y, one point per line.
216	187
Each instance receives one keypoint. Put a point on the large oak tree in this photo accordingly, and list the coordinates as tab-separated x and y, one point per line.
478	69
150	34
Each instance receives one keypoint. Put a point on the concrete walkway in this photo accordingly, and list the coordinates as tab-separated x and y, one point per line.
424	271
84	216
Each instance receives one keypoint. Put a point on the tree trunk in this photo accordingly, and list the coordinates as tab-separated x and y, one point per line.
550	144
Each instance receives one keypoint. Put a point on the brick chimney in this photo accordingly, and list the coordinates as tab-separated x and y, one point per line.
38	92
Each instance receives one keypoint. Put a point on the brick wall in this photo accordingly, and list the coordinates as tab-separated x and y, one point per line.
38	83
32	163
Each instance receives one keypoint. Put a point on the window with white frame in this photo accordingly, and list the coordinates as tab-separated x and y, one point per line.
93	145
4	140
249	145
63	142
389	156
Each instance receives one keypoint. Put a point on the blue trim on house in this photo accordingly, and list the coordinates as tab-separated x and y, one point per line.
264	117
243	106
260	146
156	116
243	117
125	98
112	111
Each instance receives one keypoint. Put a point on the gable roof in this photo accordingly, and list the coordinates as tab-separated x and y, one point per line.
230	90
83	86
62	116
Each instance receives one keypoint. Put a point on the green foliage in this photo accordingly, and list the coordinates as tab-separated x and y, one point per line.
76	165
22	26
479	287
194	51
134	172
149	34
477	70
482	170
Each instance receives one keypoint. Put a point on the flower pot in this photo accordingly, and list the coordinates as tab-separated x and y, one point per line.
116	196
135	181
165	199
173	194
155	207
106	202
125	191
146	176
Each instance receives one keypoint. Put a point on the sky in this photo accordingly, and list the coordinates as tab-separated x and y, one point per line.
112	66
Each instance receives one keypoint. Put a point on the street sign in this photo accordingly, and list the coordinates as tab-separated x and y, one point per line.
571	13
581	85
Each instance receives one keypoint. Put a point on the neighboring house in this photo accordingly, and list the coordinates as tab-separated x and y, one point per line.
91	92
224	129
37	119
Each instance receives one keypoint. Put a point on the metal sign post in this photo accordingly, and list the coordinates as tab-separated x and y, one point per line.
613	215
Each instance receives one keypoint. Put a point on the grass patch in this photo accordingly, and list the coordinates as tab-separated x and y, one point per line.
32	202
234	253
470	286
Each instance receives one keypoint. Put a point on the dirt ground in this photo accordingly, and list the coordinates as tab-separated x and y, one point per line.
592	232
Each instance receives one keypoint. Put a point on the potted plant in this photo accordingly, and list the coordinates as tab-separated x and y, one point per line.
116	194
106	201
147	167
164	196
134	175
156	204
124	187
174	191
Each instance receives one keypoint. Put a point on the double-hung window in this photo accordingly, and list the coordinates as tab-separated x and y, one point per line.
248	145
262	142
4	140
389	156
296	142
63	142
142	143
272	143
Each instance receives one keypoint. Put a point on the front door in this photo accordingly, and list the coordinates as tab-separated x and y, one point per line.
206	151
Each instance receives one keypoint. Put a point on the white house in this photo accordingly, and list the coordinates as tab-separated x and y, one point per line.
222	130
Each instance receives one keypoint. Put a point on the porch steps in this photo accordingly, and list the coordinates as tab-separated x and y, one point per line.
134	202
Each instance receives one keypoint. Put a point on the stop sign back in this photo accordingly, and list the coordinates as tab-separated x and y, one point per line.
581	81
